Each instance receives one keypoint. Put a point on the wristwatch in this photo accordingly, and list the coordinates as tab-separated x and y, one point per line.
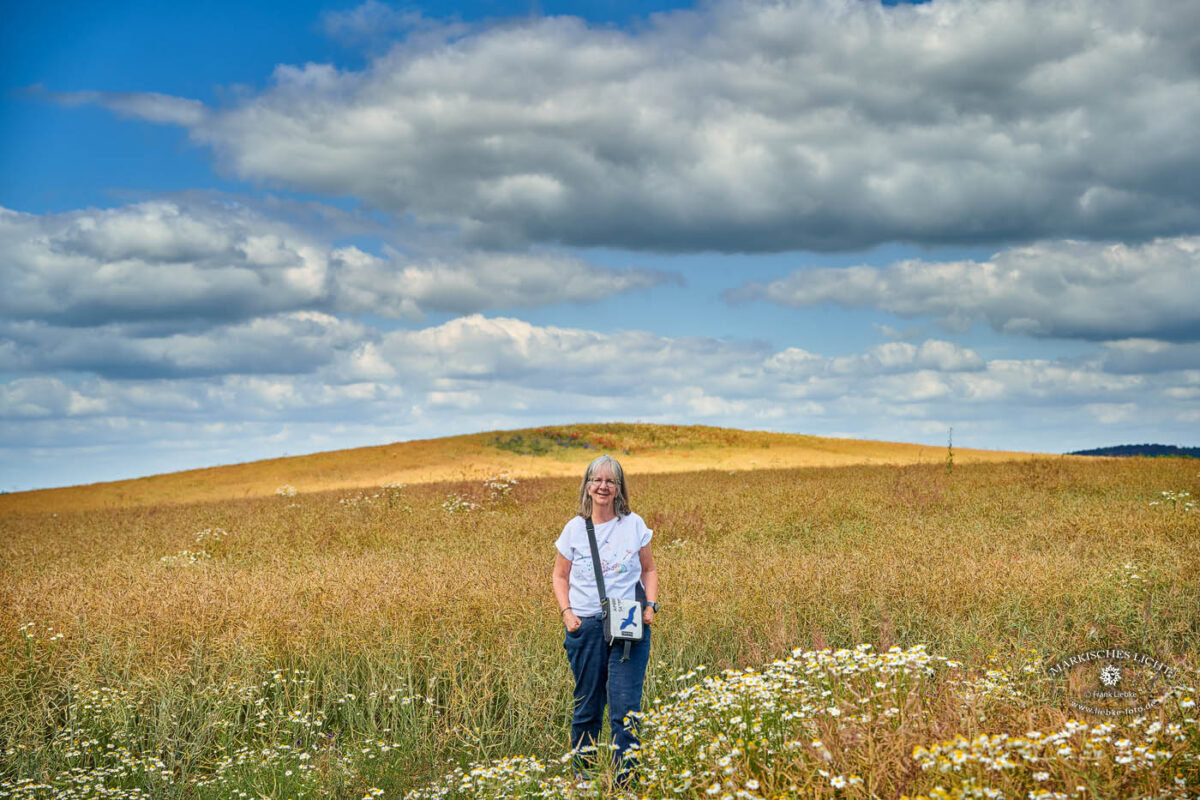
653	606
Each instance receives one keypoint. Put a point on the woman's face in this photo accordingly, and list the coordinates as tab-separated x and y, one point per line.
602	488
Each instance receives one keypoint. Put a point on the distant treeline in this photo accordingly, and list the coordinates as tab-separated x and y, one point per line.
1141	450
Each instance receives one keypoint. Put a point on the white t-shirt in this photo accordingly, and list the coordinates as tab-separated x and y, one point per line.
619	541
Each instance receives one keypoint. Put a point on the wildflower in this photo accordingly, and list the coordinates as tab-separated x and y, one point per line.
456	503
186	557
500	487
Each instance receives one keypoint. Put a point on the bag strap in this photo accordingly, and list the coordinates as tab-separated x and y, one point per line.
591	530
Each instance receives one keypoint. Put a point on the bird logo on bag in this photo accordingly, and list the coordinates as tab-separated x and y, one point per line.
629	620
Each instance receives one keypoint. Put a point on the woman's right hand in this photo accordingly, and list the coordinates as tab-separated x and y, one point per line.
571	621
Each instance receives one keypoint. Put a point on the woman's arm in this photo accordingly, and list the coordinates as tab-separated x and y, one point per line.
650	581
562	590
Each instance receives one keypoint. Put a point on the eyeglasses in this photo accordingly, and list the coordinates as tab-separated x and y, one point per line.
603	481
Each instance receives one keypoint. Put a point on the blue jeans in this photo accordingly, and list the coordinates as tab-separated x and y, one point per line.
599	675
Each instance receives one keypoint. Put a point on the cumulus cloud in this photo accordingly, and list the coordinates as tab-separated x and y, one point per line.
880	391
480	350
498	354
175	262
157	260
170	288
1065	289
294	342
44	398
465	361
303	359
231	399
465	282
754	126
904	357
356	385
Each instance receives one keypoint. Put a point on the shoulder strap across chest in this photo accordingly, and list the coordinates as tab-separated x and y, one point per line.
591	530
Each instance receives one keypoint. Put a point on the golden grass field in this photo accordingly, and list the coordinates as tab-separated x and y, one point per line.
643	449
198	635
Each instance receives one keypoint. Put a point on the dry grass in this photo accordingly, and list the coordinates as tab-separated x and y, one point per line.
644	449
395	591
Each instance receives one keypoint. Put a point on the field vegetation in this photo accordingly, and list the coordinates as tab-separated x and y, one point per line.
554	451
839	631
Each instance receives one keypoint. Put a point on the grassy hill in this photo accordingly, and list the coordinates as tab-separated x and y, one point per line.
535	452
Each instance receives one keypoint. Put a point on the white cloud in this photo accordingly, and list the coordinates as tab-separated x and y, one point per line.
466	282
150	106
159	261
905	357
637	375
483	373
227	400
375	25
475	350
44	397
1065	289
294	342
185	263
754	126
892	357
1043	381
476	356
457	359
1112	413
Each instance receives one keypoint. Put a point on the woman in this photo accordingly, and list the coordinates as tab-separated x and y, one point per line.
600	673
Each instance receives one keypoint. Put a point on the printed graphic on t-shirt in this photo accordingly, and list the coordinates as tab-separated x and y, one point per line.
610	567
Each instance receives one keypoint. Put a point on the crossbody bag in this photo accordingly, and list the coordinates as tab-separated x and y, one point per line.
622	619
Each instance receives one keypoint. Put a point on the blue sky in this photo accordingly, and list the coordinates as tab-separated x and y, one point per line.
238	230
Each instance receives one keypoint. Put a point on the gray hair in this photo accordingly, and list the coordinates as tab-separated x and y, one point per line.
620	502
